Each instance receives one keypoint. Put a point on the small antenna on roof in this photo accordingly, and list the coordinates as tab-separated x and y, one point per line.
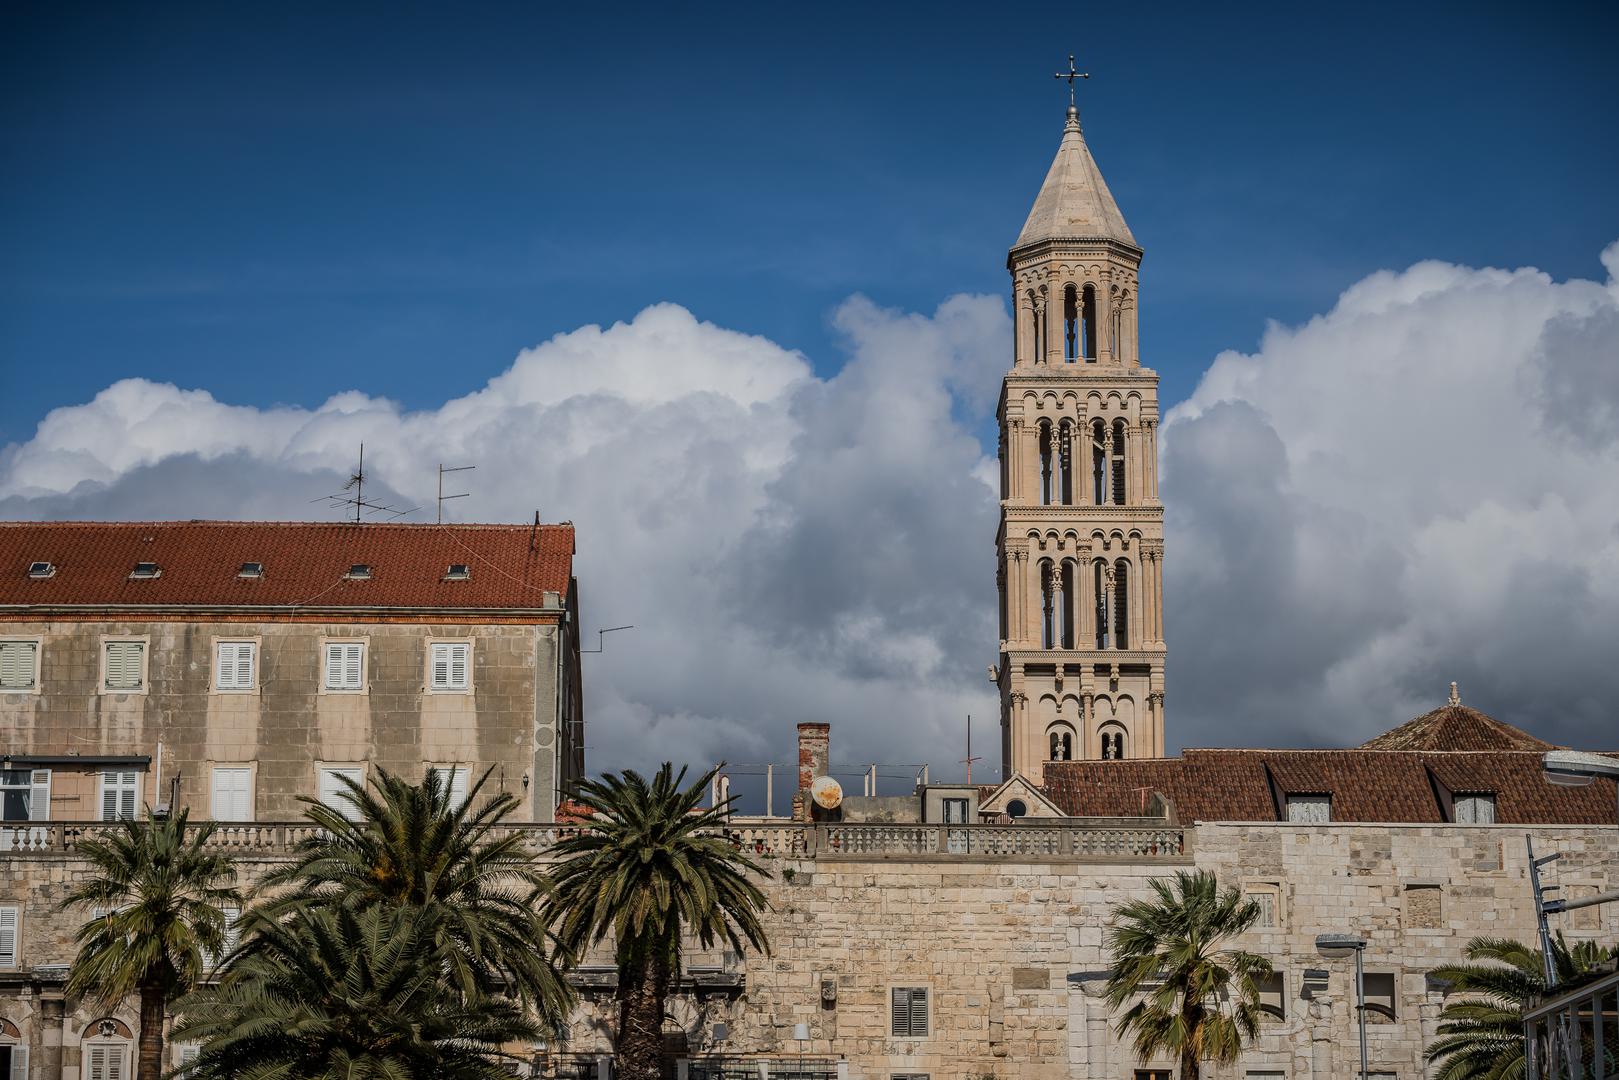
353	494
534	531
441	496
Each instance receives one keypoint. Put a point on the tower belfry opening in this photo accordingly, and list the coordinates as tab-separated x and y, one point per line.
1080	542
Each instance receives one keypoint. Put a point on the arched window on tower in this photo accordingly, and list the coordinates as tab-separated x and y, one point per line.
1102	591
1060	741
1113	747
1113	339
1048	613
1118	462
1070	324
1121	604
1036	329
1088	323
1047	463
1098	442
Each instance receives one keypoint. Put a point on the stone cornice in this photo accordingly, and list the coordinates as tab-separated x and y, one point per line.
1034	655
1077	246
1043	373
1012	511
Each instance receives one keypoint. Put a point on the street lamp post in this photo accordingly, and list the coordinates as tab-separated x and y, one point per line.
1335	946
1575	768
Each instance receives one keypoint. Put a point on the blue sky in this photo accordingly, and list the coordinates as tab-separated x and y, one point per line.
277	204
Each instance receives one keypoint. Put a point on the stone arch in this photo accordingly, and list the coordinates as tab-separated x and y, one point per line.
1062	743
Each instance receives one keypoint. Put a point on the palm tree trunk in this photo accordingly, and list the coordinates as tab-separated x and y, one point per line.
642	990
149	1056
1192	1017
1189	1069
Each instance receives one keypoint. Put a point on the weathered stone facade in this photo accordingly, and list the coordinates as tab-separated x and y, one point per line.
1010	948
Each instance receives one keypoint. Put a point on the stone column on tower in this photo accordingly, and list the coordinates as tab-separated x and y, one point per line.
1075	222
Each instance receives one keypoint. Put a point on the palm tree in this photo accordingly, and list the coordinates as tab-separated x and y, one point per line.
651	868
1481	1038
332	993
164	897
1167	949
412	847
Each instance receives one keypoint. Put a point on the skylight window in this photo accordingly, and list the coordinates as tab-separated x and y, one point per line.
41	570
145	570
360	572
459	571
251	570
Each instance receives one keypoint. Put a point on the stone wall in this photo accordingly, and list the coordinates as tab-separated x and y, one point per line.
1011	950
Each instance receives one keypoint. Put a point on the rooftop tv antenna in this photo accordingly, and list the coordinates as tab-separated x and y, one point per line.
441	496
601	634
969	759
353	494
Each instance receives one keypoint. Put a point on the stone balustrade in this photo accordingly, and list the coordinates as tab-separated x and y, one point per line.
1092	842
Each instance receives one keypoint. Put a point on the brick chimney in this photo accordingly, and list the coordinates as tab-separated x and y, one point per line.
814	753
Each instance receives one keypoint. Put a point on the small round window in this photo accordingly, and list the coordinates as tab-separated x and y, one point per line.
1017	808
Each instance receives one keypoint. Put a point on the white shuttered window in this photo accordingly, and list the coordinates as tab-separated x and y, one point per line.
125	665
456	780
19	664
451	665
233	793
345	665
8	936
19	1061
234	663
908	1012
106	1061
118	792
332	789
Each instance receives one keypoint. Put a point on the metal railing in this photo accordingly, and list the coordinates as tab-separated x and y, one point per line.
1105	840
1574	1035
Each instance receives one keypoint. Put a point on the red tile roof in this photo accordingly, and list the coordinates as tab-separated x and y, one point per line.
305	564
1365	785
1456	727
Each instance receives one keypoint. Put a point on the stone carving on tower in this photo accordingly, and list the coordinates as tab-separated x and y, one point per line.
1081	536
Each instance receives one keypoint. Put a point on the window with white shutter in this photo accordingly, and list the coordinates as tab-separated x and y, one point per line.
106	1060
234	663
345	665
124	664
187	1053
1477	808
119	790
456	780
332	789
451	665
19	665
8	935
233	793
19	1060
908	1012
1309	809
232	936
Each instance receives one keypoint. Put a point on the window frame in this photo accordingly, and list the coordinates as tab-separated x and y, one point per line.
119	1046
455	773
39	809
1272	889
39	651
1474	799
101	793
326	644
1390	1014
254	675
145	642
927	1011
345	809
449	644
15	910
1278	1014
248	767
1307	798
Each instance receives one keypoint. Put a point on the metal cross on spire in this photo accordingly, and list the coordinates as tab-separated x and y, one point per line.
1071	74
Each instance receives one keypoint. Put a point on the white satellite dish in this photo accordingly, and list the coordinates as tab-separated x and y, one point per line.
826	792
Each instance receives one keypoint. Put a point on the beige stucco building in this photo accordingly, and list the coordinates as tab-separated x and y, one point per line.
1081	538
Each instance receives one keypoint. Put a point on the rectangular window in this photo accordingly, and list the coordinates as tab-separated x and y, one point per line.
119	790
451	665
8	935
1269	898
332	788
1309	809
25	795
17	1066
1475	808
955	811
187	1053
234	663
345	665
1380	997
1273	996
233	793
106	1061
908	1012
19	665
1152	1074
124	665
455	779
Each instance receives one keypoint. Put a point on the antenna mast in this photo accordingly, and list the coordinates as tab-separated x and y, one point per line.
969	759
441	496
353	494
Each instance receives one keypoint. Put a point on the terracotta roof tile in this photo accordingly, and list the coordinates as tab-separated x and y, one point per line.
304	564
1456	727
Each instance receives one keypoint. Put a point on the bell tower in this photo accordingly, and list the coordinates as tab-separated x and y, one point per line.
1081	539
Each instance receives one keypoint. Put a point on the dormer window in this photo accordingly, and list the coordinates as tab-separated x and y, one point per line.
359	572
251	570
458	571
1309	809
41	570
144	571
1475	808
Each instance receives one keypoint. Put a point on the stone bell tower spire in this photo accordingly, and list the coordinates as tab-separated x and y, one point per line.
1081	537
